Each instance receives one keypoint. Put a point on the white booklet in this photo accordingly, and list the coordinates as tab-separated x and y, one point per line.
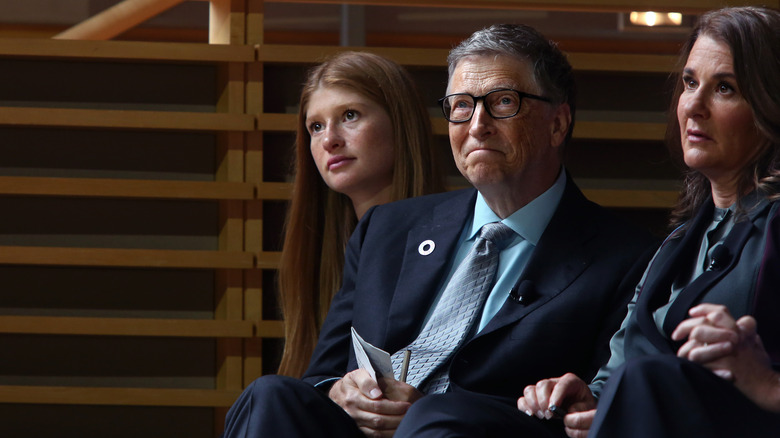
372	359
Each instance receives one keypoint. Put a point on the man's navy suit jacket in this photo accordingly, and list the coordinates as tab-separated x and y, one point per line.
575	287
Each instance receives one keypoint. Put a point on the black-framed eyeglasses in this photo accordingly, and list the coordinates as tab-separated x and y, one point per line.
501	103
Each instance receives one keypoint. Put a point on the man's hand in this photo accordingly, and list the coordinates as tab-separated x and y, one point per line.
732	350
571	398
376	412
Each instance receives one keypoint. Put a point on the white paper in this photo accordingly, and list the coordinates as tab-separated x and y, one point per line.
372	359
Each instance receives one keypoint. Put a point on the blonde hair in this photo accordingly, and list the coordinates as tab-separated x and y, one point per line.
320	220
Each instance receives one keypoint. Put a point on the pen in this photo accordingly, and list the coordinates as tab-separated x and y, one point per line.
405	365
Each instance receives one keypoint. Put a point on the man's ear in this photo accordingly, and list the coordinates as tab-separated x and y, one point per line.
559	126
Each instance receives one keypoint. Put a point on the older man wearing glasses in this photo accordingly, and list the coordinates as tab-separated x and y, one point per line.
489	289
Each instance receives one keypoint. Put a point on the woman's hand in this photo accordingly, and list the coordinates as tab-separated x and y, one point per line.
567	397
732	350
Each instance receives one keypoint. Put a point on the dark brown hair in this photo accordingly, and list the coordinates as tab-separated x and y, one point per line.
753	36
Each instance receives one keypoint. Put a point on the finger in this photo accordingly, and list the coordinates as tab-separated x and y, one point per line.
383	422
683	329
715	314
368	386
380	415
532	406
710	352
707	334
747	325
384	407
570	390
705	308
563	389
577	424
722	318
685	350
346	394
724	374
524	406
400	391
543	391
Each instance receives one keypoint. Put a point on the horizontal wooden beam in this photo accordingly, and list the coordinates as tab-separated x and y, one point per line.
125	188
618	62
125	119
125	50
275	191
619	130
65	395
274	122
632	198
688	6
304	54
622	62
87	326
270	329
268	259
133	258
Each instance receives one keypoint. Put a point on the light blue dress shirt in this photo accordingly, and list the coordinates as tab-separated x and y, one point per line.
529	223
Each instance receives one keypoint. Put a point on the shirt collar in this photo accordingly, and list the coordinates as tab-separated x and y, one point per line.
529	221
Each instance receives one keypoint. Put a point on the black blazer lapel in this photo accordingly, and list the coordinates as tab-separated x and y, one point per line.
556	262
658	288
733	244
678	311
429	249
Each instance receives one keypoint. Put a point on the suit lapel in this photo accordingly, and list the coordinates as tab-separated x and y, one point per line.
678	311
428	250
657	290
656	293
734	243
558	259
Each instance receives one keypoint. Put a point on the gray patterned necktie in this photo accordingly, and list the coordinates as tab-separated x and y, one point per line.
455	313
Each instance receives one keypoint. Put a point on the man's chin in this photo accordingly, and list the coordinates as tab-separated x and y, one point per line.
484	174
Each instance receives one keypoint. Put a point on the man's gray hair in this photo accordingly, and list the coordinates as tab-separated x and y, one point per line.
551	69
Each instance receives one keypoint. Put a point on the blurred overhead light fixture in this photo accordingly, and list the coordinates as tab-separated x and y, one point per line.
651	18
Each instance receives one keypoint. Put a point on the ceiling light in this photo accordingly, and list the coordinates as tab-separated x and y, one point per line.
651	18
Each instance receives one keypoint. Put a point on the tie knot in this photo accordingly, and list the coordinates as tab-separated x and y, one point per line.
496	232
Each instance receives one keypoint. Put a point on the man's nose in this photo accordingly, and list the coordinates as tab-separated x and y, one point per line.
481	121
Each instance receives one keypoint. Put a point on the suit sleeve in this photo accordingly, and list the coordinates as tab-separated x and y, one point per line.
613	319
617	351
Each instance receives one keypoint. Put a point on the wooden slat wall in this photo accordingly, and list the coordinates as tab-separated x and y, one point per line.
243	132
232	194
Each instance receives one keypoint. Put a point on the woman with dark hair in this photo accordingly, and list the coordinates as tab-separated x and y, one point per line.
699	352
363	138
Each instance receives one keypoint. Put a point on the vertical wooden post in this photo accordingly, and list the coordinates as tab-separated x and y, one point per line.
227	26
253	310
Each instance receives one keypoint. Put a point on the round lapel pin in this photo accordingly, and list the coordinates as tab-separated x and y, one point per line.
426	247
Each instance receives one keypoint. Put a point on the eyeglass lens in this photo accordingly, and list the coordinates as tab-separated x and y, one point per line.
498	103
